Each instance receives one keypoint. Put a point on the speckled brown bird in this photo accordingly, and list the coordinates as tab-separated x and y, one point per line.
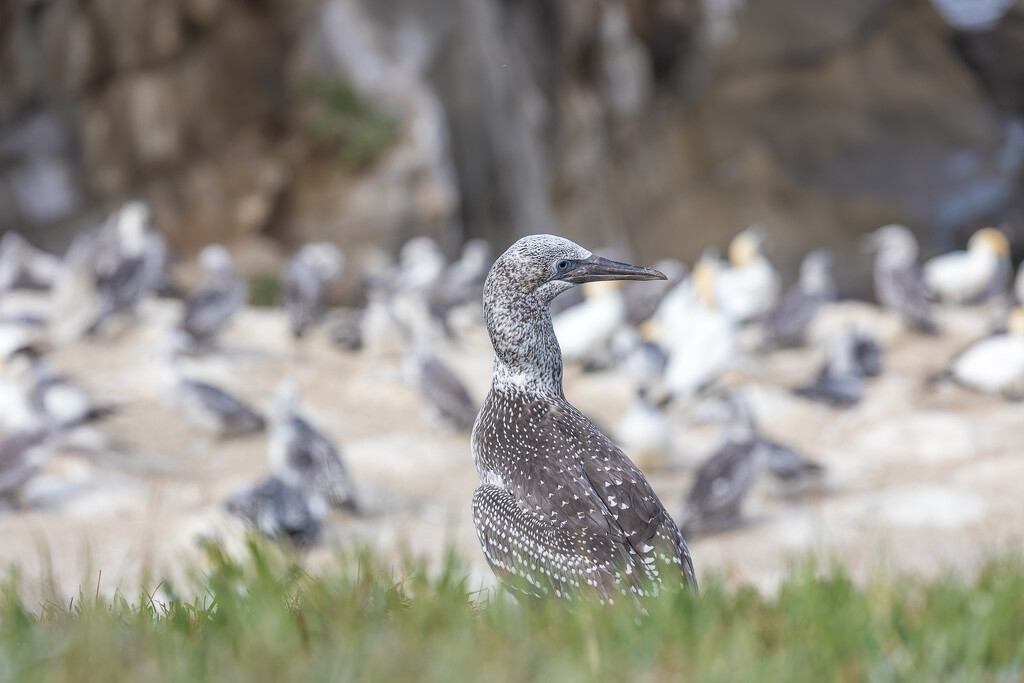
560	510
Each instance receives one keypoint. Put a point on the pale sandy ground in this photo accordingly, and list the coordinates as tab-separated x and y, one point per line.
920	479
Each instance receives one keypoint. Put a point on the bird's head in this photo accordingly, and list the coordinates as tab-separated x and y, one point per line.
324	259
894	243
1015	321
990	239
746	246
215	258
544	266
816	271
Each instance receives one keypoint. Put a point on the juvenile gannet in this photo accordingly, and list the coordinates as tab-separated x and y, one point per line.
280	510
787	324
209	309
302	456
447	400
215	410
305	282
899	285
560	509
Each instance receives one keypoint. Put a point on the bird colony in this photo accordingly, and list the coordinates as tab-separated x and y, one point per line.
758	422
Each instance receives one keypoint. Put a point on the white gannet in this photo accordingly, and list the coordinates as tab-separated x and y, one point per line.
995	364
748	287
978	273
699	338
585	331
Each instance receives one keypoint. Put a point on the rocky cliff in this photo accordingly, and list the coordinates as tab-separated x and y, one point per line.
653	125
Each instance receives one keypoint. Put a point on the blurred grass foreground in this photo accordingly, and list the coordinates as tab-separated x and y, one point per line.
263	619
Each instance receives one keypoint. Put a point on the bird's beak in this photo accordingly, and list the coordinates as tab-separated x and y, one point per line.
598	268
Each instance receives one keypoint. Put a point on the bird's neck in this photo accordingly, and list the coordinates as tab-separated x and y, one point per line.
526	352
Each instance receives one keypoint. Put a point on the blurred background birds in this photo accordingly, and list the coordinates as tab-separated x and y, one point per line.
206	201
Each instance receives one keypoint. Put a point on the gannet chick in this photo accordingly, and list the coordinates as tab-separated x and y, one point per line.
302	456
899	285
210	308
215	410
840	382
643	432
995	364
560	510
715	500
787	325
585	331
699	338
121	270
23	266
279	510
749	287
305	281
446	398
980	272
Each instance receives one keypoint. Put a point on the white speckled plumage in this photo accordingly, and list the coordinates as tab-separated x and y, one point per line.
560	510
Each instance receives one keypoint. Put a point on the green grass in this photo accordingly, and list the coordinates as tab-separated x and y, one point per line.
338	121
264	290
265	620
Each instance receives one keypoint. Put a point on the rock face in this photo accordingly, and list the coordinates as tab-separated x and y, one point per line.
652	125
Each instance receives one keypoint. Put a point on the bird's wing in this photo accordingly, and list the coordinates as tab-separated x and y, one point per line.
833	388
533	555
573	477
232	410
914	297
785	463
636	510
447	392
